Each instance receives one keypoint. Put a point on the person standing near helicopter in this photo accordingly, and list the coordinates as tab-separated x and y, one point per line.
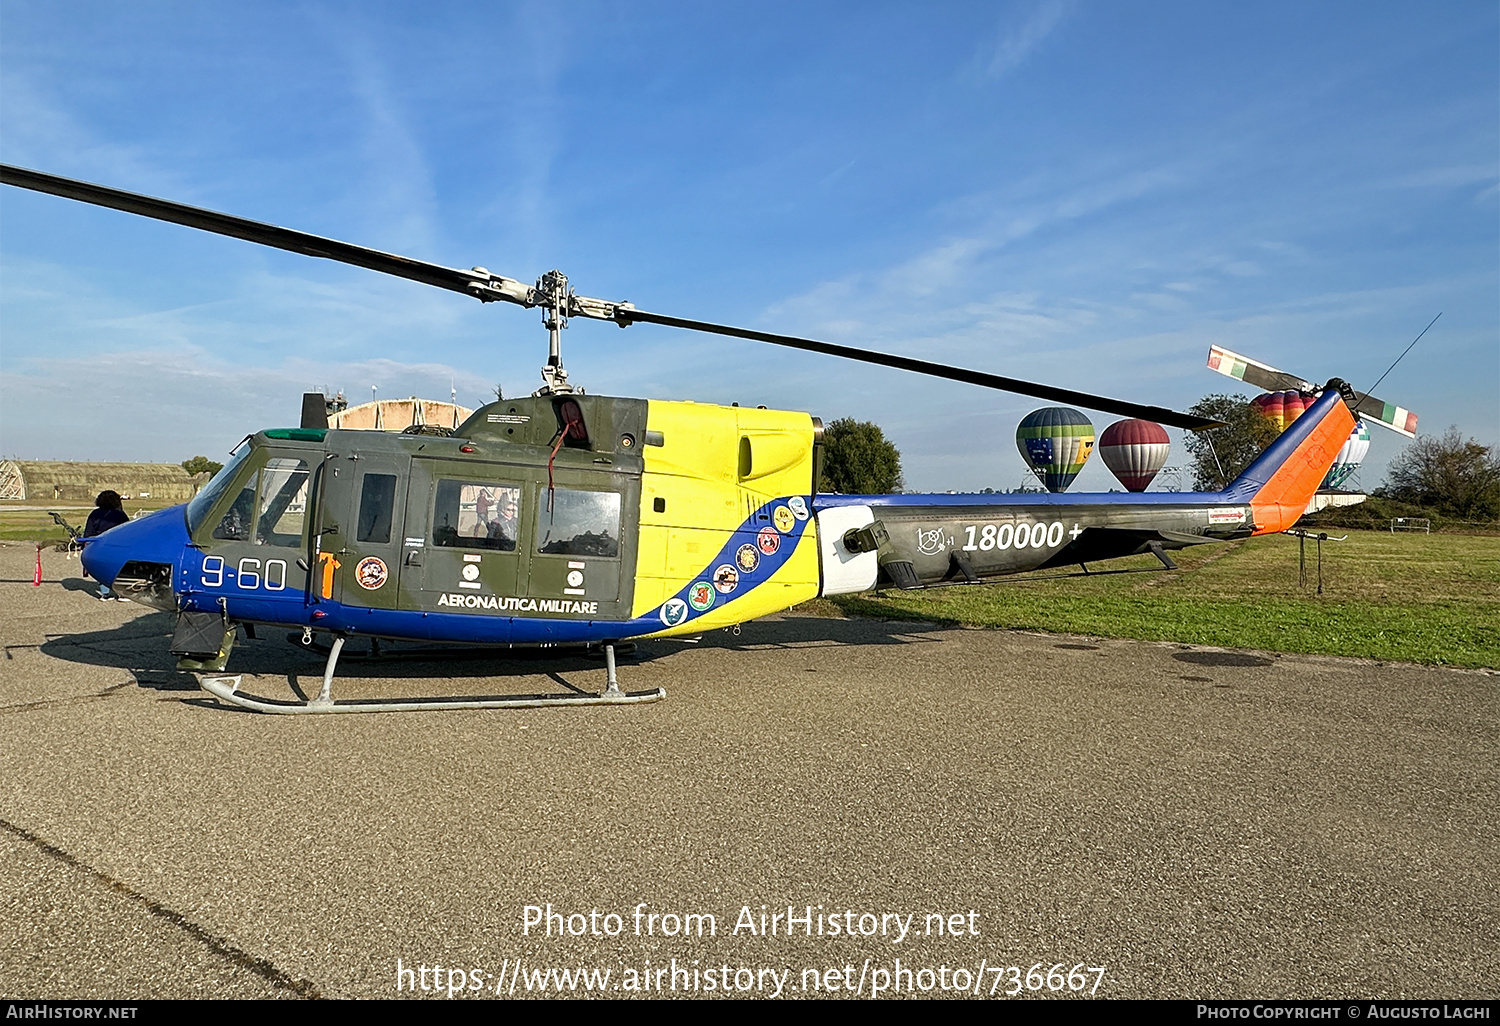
109	511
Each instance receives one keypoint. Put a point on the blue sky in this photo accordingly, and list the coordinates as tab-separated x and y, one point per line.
1085	194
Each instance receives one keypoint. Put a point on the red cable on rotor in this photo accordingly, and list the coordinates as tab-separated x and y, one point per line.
572	428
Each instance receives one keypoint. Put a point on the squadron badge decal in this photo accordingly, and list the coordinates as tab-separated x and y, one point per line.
748	558
371	573
726	579
701	595
673	612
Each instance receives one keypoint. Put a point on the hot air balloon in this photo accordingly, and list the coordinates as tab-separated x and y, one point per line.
1134	450
1350	456
1055	442
1281	408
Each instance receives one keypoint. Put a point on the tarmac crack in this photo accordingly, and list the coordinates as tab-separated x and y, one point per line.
218	945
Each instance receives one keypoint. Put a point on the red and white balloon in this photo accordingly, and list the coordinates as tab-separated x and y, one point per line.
1134	450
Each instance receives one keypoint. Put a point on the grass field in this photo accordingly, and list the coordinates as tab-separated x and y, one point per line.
1404	597
22	520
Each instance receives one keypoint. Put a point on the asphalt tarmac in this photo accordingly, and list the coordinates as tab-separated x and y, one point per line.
1194	822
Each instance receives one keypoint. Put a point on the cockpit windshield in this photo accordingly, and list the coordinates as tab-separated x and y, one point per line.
204	501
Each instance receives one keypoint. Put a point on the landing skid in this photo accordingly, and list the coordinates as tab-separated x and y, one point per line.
226	689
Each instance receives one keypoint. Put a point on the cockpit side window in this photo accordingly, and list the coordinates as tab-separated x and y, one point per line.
270	507
283	503
580	524
475	515
377	500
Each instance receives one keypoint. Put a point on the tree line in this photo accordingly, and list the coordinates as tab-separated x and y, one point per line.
1447	474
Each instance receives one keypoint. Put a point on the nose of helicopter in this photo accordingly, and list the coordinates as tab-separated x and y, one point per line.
144	550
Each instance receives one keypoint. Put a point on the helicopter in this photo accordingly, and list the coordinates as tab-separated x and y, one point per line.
564	518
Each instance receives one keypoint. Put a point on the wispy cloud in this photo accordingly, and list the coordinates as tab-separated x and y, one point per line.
393	198
1017	43
1449	177
40	133
944	293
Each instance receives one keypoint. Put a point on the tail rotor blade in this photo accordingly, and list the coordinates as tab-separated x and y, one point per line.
1261	375
1387	415
1253	372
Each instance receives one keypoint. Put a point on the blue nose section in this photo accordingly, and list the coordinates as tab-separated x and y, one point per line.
154	538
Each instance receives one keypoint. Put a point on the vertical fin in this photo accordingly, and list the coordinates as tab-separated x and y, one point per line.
1279	485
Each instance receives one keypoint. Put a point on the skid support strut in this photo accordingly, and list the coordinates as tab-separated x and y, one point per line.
325	696
227	689
611	682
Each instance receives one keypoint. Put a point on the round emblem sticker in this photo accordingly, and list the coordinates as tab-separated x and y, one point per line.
471	571
370	573
768	540
726	579
747	558
799	507
673	612
783	519
701	595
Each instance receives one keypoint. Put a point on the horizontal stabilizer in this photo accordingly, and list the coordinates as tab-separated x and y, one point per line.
1097	544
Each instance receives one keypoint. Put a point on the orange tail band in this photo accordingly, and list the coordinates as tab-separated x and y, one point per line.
1279	485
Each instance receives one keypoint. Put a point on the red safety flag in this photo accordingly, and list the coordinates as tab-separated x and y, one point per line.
36	578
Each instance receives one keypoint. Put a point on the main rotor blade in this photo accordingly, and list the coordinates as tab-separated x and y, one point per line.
473	283
489	287
938	370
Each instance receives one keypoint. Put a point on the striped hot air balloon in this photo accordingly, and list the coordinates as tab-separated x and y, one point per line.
1134	450
1281	408
1349	457
1055	442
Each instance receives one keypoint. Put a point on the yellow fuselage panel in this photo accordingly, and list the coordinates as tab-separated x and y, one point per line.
705	492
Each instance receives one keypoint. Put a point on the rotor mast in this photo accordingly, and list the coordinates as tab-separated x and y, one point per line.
553	287
558	302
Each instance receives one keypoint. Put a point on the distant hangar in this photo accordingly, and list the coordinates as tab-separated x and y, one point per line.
168	484
67	481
